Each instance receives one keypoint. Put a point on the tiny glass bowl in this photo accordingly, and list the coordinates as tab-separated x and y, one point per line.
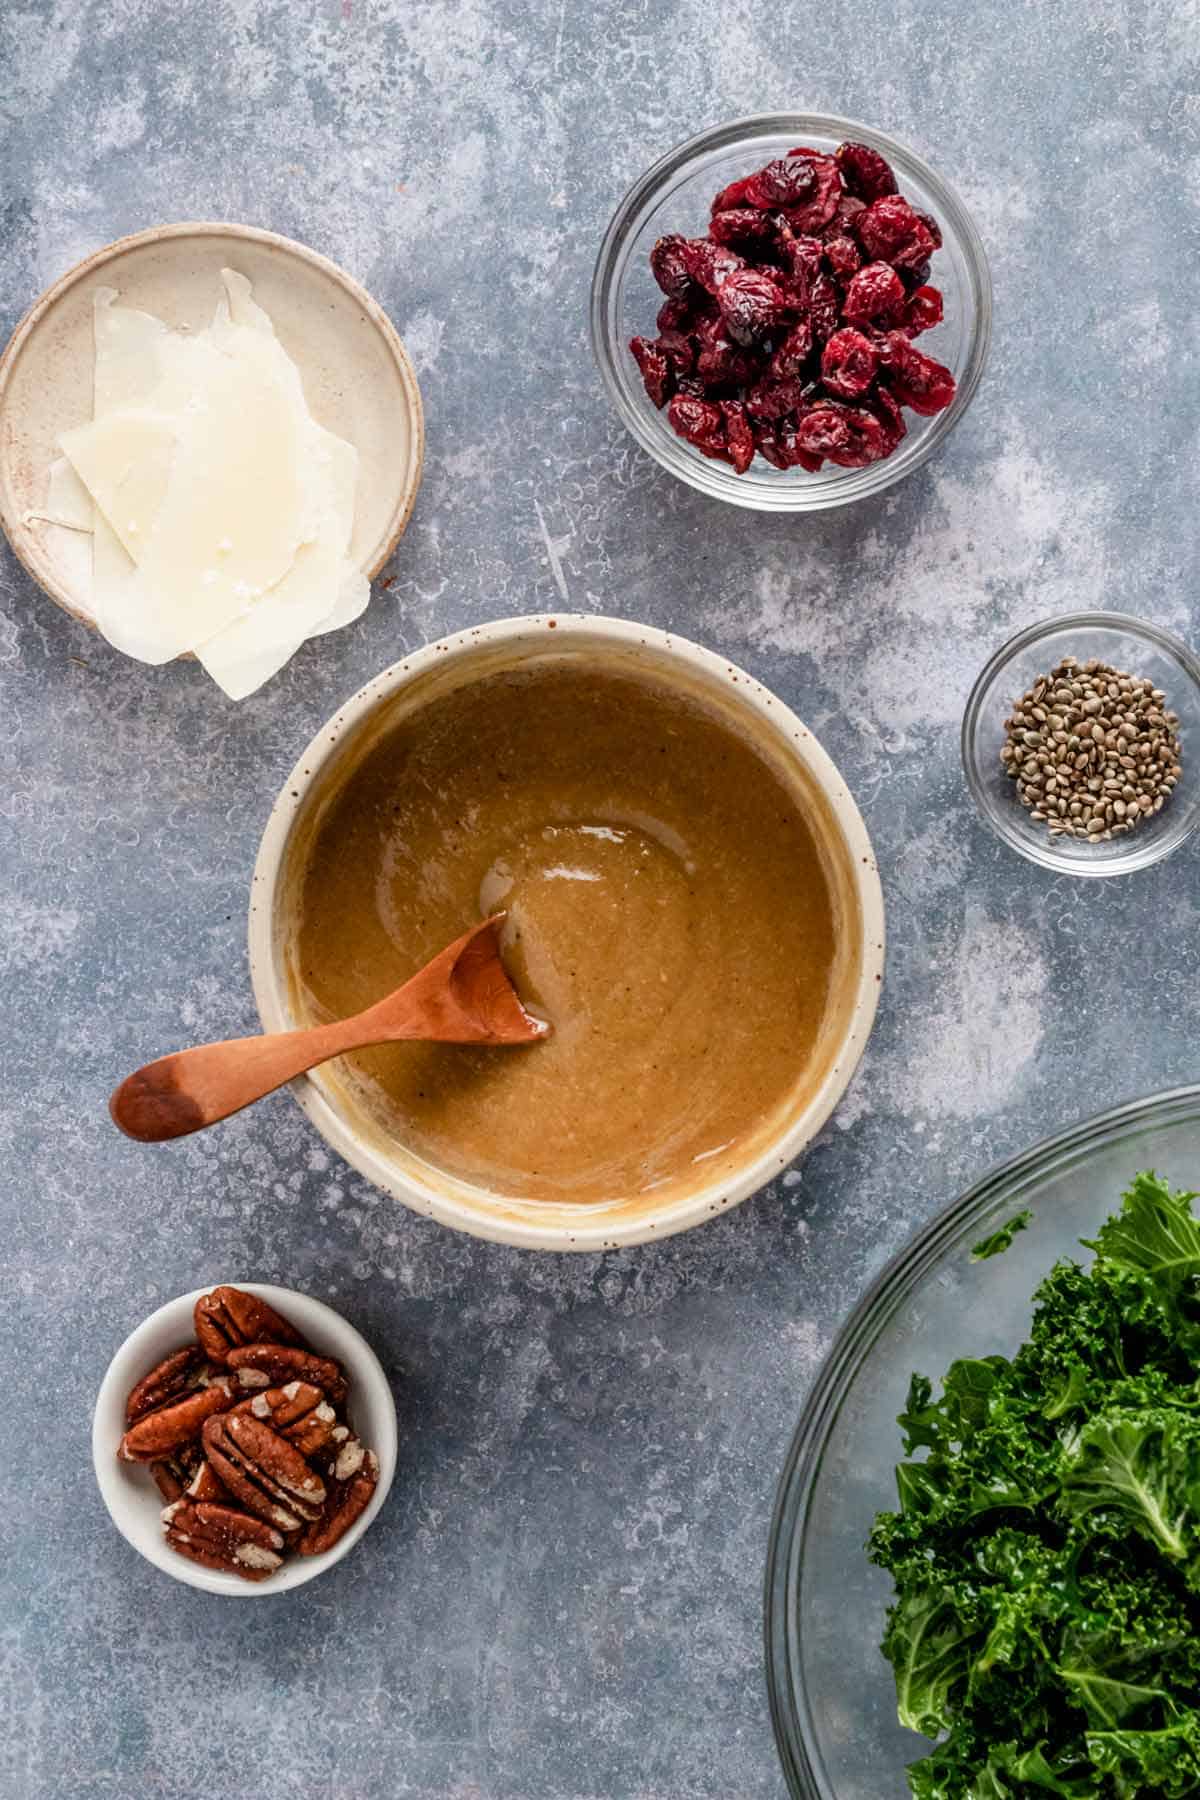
1132	646
675	196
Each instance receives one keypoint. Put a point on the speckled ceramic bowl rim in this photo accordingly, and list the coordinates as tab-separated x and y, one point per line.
171	1324
26	546
772	718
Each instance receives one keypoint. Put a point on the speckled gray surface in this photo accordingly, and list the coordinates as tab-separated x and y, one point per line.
561	1601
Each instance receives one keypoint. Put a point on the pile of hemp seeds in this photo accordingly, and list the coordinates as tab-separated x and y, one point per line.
1092	750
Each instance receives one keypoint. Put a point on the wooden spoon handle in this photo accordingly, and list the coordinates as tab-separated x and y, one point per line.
193	1088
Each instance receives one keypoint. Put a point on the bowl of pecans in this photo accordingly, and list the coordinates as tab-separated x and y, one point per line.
1079	740
244	1438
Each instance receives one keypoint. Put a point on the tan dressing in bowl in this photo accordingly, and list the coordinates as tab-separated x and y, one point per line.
668	911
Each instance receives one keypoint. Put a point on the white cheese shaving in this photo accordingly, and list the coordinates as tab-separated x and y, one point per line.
221	512
124	461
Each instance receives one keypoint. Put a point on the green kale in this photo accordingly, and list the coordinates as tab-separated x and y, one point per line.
1045	1549
1000	1240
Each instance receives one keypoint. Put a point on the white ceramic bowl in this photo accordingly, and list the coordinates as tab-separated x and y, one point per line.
135	1504
357	378
778	736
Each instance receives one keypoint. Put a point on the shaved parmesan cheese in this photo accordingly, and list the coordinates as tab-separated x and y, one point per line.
68	513
68	502
124	459
127	347
320	592
257	645
221	512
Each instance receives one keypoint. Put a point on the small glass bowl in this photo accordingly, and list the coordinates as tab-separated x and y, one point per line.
1136	648
675	195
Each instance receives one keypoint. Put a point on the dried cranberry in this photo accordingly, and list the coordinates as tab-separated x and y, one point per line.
822	431
848	209
864	171
795	350
774	399
741	225
803	256
657	374
720	362
915	379
890	231
875	294
678	349
699	422
769	443
668	267
932	227
923	311
673	315
848	436
824	307
734	195
842	254
738	435
751	305
812	214
789	181
780	447
849	363
692	386
887	410
710	264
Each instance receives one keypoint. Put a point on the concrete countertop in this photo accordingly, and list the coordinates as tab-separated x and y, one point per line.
562	1598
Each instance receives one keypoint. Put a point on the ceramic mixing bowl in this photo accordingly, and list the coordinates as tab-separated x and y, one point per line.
747	709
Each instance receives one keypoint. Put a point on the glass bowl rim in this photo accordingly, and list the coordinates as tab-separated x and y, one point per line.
1136	855
711	479
795	1738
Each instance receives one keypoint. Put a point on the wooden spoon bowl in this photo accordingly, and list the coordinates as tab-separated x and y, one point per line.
464	996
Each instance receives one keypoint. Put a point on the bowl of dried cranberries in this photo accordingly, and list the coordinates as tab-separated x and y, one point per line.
791	312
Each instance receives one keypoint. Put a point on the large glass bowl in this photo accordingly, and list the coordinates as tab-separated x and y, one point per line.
833	1701
675	195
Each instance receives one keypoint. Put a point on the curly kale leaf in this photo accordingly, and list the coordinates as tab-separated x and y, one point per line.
1144	1466
1046	1546
1154	1234
1000	1240
931	1654
1165	1762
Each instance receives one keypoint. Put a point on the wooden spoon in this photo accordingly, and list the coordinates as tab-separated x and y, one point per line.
464	996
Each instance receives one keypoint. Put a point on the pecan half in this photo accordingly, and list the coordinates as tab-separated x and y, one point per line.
274	1365
263	1471
347	1502
223	1538
174	1376
205	1486
166	1481
229	1316
299	1412
159	1434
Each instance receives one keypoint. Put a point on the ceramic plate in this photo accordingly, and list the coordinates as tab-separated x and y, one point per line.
357	377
